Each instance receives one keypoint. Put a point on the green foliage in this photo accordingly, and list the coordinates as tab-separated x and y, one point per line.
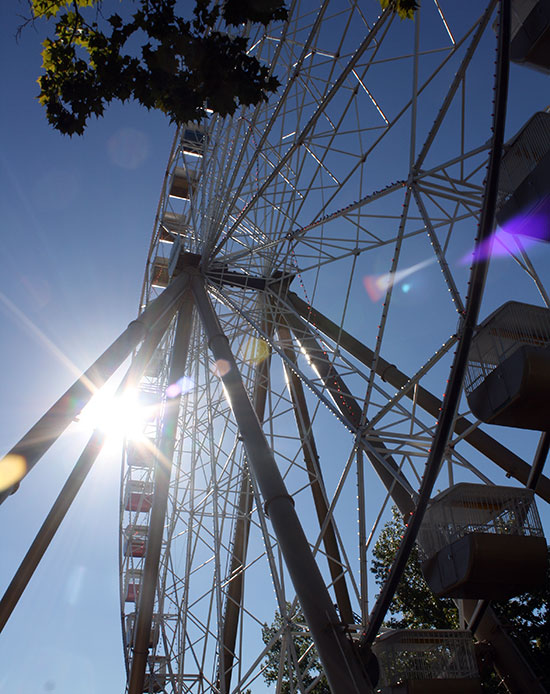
414	606
405	9
183	65
293	630
528	620
49	8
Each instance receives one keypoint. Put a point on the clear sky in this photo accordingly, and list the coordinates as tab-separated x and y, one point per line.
77	216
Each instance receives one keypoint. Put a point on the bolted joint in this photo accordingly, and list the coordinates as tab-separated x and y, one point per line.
140	327
369	661
277	496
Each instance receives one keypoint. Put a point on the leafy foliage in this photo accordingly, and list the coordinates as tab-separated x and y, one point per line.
181	65
528	620
414	606
294	633
403	8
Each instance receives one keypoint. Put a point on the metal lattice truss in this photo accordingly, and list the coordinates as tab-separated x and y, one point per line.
308	213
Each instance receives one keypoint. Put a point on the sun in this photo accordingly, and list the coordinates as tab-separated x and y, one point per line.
118	416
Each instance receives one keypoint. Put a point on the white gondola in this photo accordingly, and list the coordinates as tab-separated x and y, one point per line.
183	183
530	33
524	189
153	636
483	542
149	405
132	584
508	373
156	678
138	496
140	455
193	139
173	226
135	541
159	272
426	661
155	365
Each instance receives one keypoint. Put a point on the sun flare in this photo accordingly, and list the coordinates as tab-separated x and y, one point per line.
117	416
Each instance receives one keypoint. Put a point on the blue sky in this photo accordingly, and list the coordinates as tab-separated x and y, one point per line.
77	215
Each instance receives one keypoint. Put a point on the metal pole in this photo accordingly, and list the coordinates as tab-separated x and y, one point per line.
336	652
390	474
538	463
509	662
163	469
512	464
478	276
70	489
234	594
311	458
48	529
51	425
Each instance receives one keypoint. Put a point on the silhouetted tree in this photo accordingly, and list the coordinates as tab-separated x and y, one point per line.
415	607
166	55
306	655
404	8
527	616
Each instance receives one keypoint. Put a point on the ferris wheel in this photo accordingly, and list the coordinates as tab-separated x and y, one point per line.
327	235
317	253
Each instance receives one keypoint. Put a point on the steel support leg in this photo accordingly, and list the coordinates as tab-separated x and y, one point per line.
50	426
509	661
234	593
311	459
163	469
70	489
541	454
508	461
340	662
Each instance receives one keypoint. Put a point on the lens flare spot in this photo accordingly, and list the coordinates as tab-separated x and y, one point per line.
378	285
117	416
255	350
12	470
221	367
184	385
533	223
128	148
74	584
525	230
406	288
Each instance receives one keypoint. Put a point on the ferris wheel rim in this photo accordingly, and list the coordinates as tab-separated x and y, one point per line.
258	252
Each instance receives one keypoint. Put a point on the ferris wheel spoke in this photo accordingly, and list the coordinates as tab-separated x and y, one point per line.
504	458
273	118
308	126
316	485
239	544
455	83
444	265
384	465
307	191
